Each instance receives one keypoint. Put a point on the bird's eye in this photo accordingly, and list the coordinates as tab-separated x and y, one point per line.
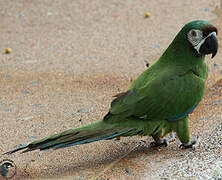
193	33
195	36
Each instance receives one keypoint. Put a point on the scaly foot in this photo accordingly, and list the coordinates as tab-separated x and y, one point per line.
163	142
159	143
192	144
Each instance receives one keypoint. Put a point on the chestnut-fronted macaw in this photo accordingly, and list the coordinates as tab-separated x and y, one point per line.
158	101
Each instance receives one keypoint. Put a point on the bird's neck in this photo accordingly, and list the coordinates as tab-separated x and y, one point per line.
183	58
182	54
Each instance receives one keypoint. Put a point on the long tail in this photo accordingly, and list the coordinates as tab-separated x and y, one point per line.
86	134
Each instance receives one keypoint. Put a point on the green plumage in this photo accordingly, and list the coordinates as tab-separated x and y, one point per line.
157	102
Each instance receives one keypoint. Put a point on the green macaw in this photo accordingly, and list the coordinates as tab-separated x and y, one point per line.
158	101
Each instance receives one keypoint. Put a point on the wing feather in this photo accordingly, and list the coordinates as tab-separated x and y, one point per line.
169	96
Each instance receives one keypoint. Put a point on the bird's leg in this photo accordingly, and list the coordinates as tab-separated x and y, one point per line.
158	140
183	133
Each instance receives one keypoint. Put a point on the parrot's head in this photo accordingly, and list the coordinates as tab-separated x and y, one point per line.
202	37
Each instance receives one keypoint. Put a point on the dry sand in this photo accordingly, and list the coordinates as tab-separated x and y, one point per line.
69	58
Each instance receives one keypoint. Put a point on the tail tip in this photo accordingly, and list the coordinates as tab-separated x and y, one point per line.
20	147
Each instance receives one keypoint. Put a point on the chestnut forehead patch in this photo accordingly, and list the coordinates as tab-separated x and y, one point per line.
209	29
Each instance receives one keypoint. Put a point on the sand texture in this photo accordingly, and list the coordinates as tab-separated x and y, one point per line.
69	57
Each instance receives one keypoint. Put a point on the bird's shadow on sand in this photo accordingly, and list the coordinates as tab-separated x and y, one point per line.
133	151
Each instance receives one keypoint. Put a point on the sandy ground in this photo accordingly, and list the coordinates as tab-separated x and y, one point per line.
70	57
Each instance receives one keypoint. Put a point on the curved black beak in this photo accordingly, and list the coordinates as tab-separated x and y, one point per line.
210	45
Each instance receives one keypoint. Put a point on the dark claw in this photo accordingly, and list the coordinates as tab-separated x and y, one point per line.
192	144
163	142
188	145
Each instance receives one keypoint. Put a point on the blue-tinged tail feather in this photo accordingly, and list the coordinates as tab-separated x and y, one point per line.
82	135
